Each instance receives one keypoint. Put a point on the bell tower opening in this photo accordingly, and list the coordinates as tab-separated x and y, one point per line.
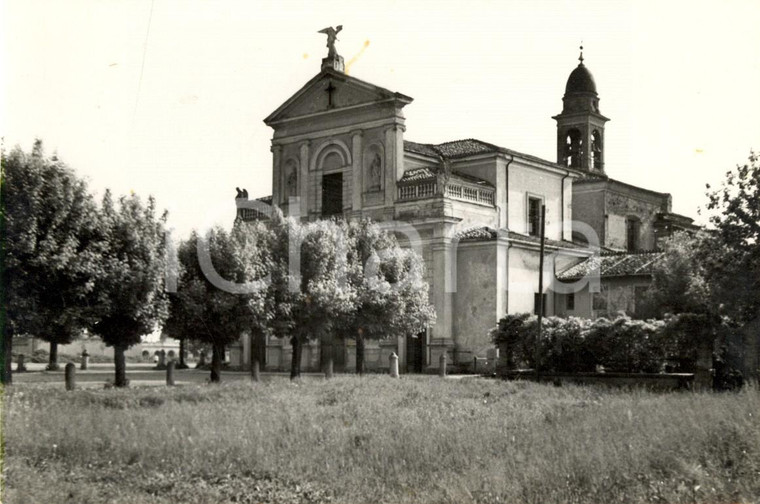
580	126
596	151
573	148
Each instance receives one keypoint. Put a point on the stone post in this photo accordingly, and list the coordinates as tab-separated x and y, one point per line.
394	365
170	374
256	371
442	365
329	367
85	360
475	365
703	378
71	376
21	366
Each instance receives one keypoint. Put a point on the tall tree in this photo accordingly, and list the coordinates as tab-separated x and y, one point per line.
325	294
391	295
733	267
216	310
679	279
204	309
310	282
51	251
254	242
131	293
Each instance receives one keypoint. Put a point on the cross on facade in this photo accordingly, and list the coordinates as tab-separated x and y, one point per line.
330	88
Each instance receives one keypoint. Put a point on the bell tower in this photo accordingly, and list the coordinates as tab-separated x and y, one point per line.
580	126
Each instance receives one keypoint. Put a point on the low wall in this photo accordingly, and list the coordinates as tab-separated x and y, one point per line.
94	346
654	381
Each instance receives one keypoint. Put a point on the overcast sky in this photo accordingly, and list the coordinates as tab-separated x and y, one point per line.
168	97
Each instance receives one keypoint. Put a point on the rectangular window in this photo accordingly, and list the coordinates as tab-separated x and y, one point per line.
536	301
639	300
570	301
534	216
599	300
632	234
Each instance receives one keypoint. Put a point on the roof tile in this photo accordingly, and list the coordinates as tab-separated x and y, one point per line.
614	264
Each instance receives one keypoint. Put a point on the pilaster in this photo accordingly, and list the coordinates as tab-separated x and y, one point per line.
304	178
357	179
276	175
441	287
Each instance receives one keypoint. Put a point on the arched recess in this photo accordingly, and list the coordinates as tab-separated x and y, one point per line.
289	179
331	155
373	166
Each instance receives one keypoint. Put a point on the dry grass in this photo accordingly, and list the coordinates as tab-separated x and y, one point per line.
418	439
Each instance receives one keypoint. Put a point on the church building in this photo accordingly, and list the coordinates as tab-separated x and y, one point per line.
472	209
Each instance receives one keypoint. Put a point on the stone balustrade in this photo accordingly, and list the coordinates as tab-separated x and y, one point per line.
454	189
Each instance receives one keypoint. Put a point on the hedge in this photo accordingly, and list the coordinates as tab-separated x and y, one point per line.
580	345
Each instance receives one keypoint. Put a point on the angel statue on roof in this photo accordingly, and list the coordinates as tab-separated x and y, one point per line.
332	36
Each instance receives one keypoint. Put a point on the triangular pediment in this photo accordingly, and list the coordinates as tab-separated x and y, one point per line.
331	91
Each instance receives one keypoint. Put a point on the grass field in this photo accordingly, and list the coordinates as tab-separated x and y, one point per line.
374	439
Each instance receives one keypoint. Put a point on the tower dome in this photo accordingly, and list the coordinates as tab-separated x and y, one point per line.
580	81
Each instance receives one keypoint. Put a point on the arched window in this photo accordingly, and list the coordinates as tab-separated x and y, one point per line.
596	150
332	161
573	148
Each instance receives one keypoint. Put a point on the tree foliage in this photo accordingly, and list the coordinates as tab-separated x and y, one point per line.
391	294
733	268
679	277
320	292
130	294
206	311
52	249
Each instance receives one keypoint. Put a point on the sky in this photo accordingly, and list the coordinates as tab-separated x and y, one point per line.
168	97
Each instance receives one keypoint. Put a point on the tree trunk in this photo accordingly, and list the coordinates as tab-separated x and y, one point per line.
295	364
182	364
255	356
703	379
328	360
53	359
7	354
217	353
360	354
120	379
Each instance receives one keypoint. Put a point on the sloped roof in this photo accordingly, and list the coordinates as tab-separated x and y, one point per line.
589	178
425	173
484	233
380	92
481	233
614	264
415	174
469	147
551	243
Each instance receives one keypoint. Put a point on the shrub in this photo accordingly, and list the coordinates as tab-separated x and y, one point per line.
579	345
